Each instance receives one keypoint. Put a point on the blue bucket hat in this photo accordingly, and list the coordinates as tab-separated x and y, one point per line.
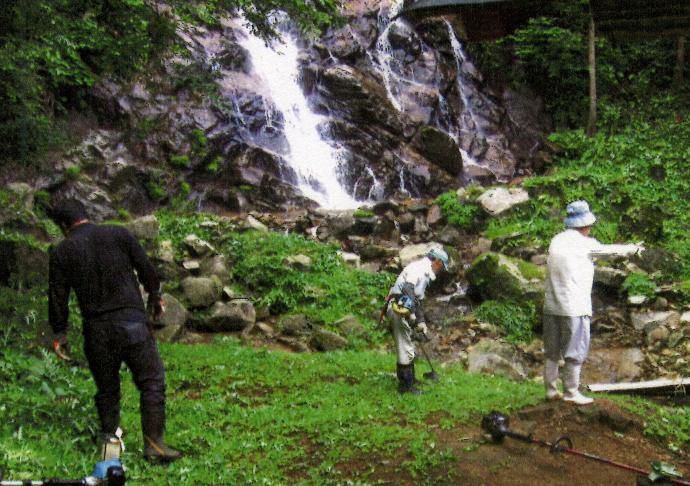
439	254
579	215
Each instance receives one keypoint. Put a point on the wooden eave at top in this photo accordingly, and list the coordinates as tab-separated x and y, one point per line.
639	19
623	19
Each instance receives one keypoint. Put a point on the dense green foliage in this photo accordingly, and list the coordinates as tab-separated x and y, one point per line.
515	320
633	174
462	215
53	51
549	55
639	284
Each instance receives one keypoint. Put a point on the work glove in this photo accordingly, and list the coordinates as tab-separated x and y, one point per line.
155	306
61	346
421	333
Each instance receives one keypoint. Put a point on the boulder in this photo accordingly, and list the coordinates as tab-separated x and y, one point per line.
657	334
411	253
301	263
350	259
439	148
255	224
171	323
350	326
500	199
650	319
165	251
496	358
294	325
498	277
215	265
609	276
325	340
145	228
197	246
200	291
235	315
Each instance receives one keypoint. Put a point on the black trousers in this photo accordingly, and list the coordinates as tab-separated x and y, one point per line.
107	344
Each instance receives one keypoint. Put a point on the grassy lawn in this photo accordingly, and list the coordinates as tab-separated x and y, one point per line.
248	416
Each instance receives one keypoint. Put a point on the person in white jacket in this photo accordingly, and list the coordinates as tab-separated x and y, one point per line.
405	311
568	301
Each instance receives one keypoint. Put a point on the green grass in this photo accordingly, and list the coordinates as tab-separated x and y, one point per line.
247	416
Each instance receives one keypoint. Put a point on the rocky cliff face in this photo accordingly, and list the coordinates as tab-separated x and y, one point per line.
404	112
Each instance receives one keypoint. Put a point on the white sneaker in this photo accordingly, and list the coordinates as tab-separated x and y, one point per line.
578	399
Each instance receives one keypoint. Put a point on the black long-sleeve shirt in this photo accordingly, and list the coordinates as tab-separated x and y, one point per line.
98	262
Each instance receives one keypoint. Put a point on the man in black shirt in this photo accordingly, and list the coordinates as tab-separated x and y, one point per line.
98	262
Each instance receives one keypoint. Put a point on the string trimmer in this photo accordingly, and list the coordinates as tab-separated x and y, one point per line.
115	476
497	425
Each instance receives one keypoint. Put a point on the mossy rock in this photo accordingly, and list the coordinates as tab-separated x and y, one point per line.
499	277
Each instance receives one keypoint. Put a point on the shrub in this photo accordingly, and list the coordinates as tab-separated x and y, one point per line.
72	172
180	161
464	216
639	284
516	320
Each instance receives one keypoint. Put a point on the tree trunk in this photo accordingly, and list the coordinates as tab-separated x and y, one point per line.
592	122
680	62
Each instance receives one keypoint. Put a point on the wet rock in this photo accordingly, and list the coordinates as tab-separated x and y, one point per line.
658	334
325	340
191	265
440	149
256	224
501	199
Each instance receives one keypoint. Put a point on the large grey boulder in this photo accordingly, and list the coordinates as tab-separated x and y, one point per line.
200	291
500	199
325	340
145	228
609	276
235	315
165	251
496	358
172	321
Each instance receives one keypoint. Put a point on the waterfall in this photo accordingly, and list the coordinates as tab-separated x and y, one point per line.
384	56
313	159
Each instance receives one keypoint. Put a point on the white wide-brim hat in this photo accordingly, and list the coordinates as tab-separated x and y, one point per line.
579	215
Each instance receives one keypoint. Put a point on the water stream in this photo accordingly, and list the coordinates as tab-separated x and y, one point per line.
315	161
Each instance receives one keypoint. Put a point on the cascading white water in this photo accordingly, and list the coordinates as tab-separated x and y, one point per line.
463	87
383	55
314	160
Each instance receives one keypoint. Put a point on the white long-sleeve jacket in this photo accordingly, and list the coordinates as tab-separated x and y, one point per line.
418	273
570	272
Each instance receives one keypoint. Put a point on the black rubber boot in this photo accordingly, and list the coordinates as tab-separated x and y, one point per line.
407	380
153	428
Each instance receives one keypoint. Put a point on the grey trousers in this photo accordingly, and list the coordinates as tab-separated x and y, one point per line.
402	334
566	338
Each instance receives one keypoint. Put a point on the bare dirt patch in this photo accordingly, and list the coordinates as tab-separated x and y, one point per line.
602	429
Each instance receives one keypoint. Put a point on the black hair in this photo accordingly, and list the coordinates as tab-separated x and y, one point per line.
66	212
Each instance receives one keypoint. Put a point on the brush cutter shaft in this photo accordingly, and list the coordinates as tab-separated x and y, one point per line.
497	425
